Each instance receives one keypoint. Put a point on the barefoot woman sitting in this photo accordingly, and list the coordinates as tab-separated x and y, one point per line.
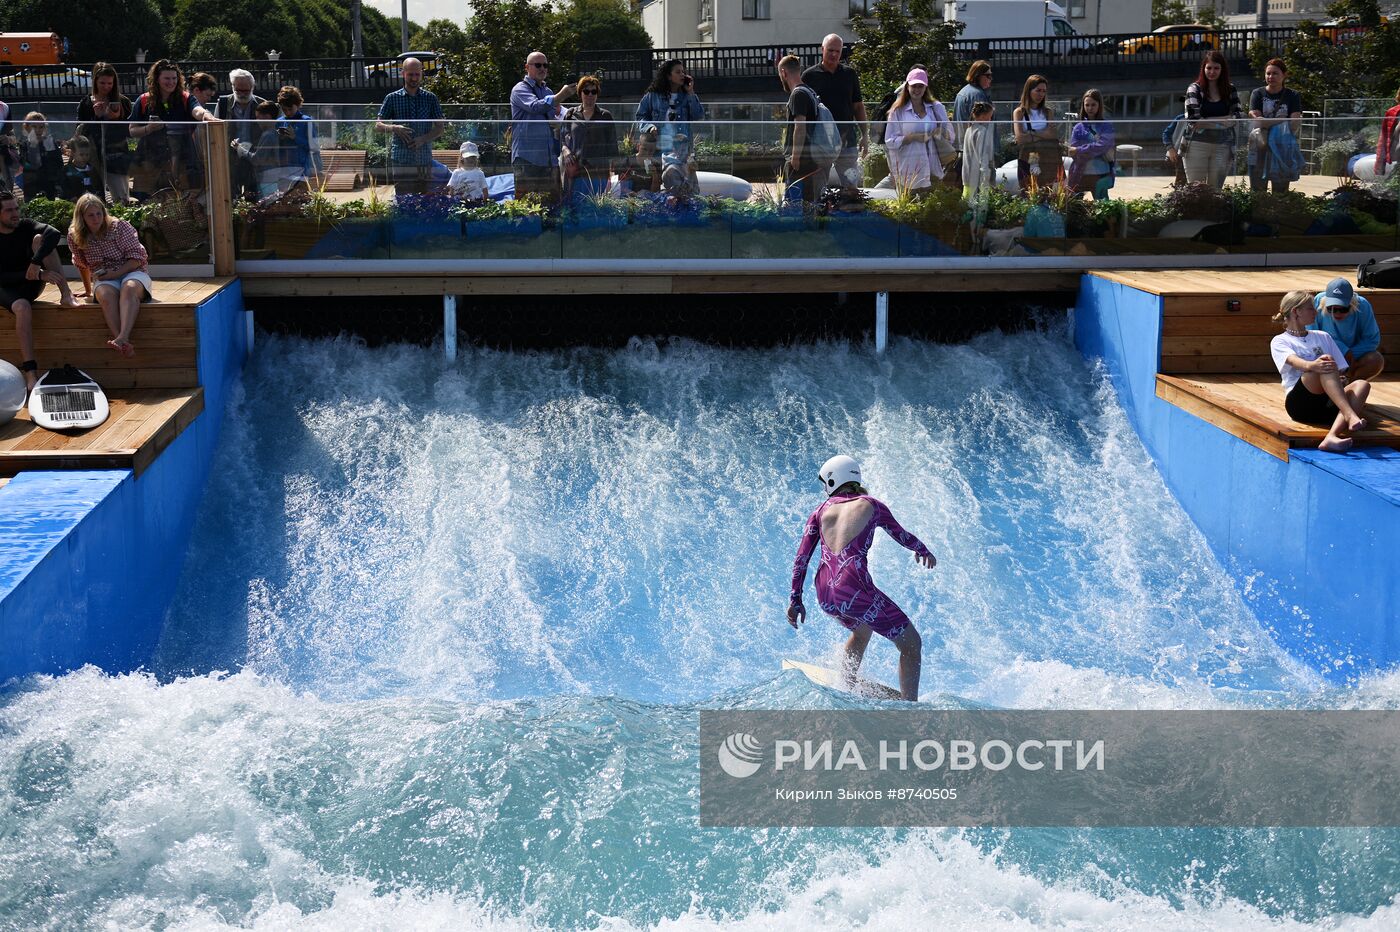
1313	370
108	251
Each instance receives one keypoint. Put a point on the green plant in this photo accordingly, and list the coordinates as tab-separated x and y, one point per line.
939	207
1198	201
1005	209
56	212
1334	154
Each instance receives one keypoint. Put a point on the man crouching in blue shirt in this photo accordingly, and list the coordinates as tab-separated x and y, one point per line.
1349	319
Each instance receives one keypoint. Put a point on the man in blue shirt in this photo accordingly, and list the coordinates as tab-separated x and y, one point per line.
415	118
1349	319
534	155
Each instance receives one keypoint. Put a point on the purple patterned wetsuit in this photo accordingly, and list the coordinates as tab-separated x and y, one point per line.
845	590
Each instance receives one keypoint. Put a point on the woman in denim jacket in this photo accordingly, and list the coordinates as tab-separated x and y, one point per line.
669	105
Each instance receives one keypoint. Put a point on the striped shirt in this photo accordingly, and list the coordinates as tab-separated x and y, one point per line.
120	245
417	112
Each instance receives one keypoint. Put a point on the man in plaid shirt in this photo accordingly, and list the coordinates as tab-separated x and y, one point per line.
415	118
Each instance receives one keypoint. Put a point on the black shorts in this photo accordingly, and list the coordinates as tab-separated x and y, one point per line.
25	291
1307	408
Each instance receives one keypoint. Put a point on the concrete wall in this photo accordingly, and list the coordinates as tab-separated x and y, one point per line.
1311	542
89	560
1105	17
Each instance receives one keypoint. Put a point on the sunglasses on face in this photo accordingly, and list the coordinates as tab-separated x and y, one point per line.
539	64
590	91
1342	310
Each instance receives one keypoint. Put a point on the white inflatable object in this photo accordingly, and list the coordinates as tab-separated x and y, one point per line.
1007	180
1364	169
718	184
67	399
11	392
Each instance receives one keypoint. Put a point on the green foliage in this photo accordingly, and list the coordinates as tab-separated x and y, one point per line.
1259	54
1172	12
898	36
440	35
939	207
296	28
528	206
54	211
216	43
1365	64
100	30
592	25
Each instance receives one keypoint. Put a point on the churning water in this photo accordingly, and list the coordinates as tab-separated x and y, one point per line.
445	631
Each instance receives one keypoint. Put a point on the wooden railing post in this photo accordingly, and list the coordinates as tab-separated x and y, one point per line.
220	198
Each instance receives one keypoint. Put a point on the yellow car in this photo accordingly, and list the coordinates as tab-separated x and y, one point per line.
1180	37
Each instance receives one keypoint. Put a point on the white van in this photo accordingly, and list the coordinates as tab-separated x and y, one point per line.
1014	19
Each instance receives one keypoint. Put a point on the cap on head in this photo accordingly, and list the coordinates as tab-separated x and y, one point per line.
469	150
917	76
1338	293
837	471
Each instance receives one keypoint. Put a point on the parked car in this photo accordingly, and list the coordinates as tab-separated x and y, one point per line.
387	72
45	78
1178	37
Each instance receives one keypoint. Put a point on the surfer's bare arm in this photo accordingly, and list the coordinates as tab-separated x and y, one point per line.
811	533
885	519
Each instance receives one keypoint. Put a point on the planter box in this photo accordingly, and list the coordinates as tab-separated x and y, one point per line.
525	227
942	240
356	238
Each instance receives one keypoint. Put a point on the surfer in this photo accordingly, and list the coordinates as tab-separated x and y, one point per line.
845	525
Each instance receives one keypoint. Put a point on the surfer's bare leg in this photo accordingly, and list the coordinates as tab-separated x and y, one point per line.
855	653
911	660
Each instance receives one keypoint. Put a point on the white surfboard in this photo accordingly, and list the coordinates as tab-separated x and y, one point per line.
824	676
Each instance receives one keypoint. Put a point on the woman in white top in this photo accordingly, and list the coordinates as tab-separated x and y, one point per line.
1311	366
1037	137
914	120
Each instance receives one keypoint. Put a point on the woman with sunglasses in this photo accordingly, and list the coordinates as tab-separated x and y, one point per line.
589	143
1349	319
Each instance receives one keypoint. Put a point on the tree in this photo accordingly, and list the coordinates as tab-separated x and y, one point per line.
595	25
99	30
893	39
499	36
217	43
1363	64
440	35
1172	12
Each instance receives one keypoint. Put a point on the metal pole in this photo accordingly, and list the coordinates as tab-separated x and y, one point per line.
357	45
882	321
403	26
449	326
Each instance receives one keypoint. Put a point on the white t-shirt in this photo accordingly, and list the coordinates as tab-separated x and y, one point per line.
1316	343
468	182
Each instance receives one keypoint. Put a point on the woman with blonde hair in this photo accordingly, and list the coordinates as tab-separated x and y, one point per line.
1311	365
918	136
1037	137
113	264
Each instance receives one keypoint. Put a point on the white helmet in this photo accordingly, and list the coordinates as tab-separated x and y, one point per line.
837	471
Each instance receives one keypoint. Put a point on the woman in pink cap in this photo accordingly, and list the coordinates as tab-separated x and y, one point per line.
918	136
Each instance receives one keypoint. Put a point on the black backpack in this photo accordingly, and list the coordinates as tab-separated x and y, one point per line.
1379	273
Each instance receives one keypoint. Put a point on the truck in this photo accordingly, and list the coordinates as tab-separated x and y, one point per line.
1016	19
22	49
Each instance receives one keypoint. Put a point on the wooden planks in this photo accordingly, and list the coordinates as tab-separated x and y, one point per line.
143	422
330	285
1250	406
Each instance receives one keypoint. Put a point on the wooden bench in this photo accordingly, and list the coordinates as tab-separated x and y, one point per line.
343	169
450	158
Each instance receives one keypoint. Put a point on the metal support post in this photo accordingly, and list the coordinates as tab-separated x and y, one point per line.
449	326
882	321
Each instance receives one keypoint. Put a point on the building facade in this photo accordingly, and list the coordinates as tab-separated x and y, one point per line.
1108	17
681	23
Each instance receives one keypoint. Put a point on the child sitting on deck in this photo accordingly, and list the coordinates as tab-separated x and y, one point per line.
1316	391
468	180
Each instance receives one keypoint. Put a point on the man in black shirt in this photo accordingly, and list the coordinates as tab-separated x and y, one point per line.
838	86
27	262
798	165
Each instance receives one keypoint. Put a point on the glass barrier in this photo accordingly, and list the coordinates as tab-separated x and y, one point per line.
151	174
617	189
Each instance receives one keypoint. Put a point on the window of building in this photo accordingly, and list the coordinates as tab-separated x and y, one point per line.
1076	9
758	9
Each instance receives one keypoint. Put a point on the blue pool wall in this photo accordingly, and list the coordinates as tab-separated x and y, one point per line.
1312	543
89	560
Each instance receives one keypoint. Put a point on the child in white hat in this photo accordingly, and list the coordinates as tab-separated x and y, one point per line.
469	180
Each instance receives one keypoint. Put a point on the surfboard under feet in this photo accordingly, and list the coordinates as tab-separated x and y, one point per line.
823	676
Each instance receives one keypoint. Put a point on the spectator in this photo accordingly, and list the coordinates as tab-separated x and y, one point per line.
40	156
641	171
589	142
161	123
1212	107
1037	137
1389	140
1348	318
534	152
669	105
204	89
1091	148
910	130
468	180
978	172
240	107
838	86
103	118
1175	138
297	131
976	90
9	150
1310	365
111	258
415	118
1273	106
267	153
27	262
800	170
82	175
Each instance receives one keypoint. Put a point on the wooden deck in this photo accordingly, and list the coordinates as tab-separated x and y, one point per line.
154	395
143	422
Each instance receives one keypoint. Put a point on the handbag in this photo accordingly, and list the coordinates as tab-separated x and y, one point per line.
944	150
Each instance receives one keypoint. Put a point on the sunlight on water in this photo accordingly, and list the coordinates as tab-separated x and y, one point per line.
471	614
